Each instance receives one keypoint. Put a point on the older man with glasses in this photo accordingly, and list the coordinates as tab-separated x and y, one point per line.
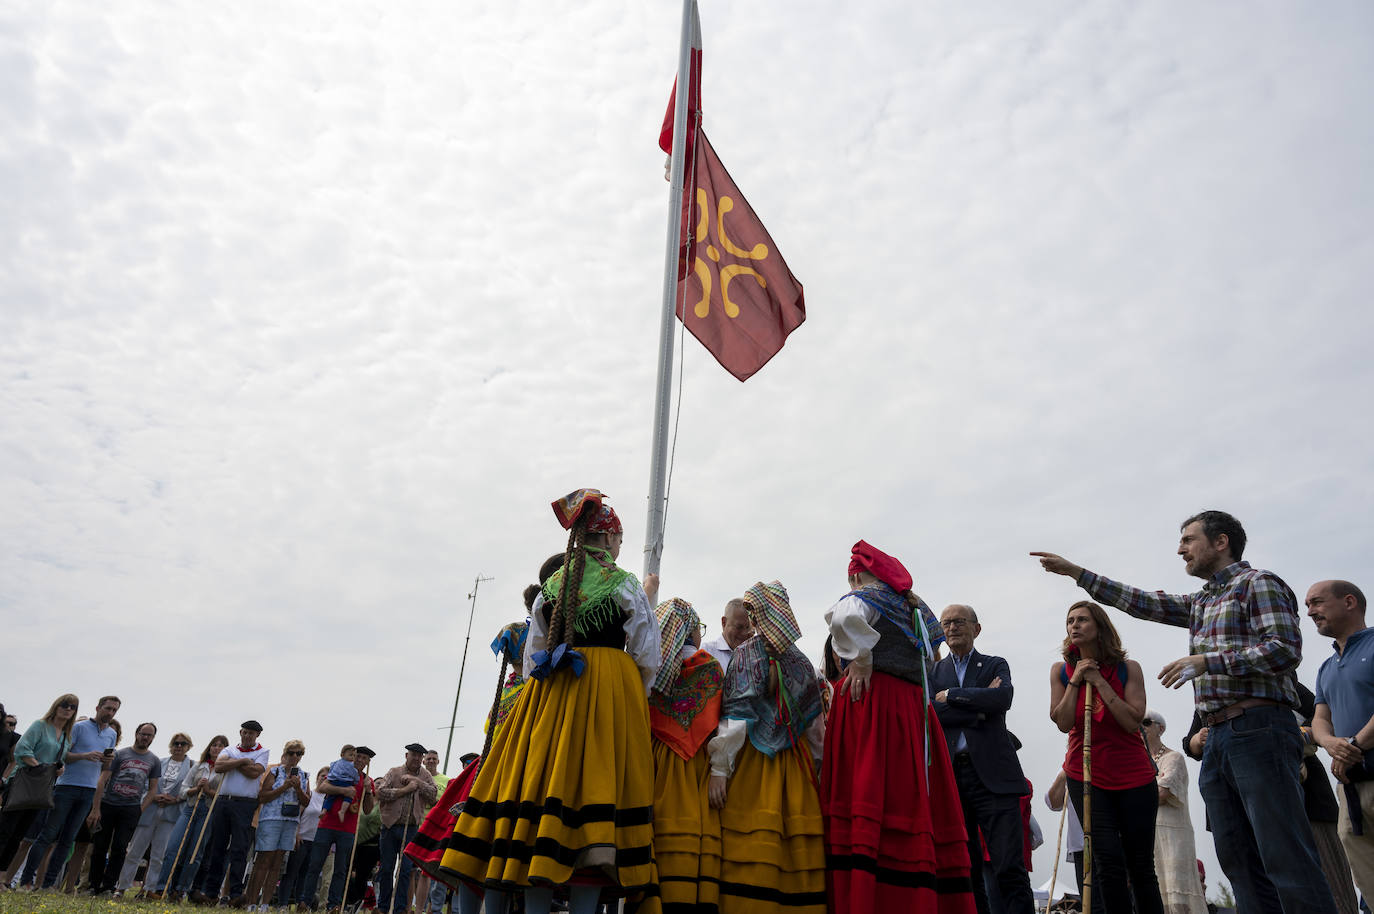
972	696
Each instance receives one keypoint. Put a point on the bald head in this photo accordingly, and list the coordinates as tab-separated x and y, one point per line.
735	625
1336	608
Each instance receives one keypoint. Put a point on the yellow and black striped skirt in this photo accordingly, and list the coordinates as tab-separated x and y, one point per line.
772	837
686	833
566	793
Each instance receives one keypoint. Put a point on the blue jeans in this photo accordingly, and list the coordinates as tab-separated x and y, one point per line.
70	806
437	892
190	825
342	843
392	842
1264	842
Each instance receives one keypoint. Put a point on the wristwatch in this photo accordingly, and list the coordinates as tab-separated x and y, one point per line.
1351	741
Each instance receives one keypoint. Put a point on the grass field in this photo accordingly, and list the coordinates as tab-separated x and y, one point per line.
49	903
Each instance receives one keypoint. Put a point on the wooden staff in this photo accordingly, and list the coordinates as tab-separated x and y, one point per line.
1058	851
209	814
177	857
400	861
1087	797
348	874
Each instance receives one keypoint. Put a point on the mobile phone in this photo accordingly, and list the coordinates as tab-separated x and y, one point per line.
109	753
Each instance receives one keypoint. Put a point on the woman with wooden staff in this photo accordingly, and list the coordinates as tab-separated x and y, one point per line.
178	871
1117	807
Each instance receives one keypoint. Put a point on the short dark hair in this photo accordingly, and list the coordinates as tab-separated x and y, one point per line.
105	698
551	564
1219	523
1342	589
146	723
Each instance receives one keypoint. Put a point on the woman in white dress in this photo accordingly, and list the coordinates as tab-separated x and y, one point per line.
1175	851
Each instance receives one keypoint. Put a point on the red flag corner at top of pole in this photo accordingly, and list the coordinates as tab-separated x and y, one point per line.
735	292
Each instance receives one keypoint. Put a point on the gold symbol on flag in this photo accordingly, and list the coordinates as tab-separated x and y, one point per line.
730	270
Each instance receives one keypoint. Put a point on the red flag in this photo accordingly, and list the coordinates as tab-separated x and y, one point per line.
665	142
738	299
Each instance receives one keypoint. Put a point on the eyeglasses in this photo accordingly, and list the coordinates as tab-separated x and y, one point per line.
68	705
701	627
292	752
955	623
180	742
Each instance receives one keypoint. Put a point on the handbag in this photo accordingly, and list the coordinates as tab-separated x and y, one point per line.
31	787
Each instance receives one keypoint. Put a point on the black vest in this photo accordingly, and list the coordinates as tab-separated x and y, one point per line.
610	635
894	653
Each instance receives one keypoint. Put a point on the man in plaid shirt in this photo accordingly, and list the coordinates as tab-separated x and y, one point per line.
1244	649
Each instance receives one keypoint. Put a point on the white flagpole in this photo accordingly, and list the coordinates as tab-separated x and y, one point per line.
658	469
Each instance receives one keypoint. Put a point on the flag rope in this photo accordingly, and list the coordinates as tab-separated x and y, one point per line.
677	422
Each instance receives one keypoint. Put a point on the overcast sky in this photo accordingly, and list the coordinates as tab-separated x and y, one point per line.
307	313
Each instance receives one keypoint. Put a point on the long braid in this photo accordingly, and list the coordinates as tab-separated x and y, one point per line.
574	578
495	709
556	620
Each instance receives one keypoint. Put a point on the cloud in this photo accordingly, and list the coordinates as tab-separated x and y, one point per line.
308	315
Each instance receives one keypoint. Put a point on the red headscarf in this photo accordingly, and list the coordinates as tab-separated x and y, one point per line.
881	565
602	517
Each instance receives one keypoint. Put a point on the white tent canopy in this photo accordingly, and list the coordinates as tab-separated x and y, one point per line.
1066	885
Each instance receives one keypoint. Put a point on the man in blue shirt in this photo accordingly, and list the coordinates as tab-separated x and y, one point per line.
74	798
1344	721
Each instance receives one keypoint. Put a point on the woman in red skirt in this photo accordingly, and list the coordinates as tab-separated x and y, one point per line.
894	832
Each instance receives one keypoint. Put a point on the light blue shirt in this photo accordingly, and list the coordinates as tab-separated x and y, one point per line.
87	736
1345	684
960	668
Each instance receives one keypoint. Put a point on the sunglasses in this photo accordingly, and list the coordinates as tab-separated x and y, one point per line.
70	706
292	752
179	742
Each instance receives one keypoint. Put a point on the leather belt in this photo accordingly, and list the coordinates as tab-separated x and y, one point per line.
1231	712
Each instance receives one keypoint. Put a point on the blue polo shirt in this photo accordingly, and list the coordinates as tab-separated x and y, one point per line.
1345	684
86	737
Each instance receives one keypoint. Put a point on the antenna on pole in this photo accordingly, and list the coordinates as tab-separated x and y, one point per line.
453	720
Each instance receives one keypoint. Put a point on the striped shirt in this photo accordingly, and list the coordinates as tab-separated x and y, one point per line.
1244	621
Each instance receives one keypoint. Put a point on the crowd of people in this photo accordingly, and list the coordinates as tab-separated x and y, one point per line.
186	829
629	758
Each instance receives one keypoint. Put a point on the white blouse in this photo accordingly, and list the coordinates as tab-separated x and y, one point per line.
852	633
641	631
731	734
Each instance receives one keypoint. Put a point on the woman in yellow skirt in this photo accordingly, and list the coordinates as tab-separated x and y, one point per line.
565	799
763	769
684	708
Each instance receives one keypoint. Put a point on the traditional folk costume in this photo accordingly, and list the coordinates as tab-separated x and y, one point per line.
895	838
770	737
566	794
432	838
684	709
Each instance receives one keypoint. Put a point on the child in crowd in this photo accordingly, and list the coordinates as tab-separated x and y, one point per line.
342	773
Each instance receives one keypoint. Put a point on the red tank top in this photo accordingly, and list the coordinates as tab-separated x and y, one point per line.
1120	759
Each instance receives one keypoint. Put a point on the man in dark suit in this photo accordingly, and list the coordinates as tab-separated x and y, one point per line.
972	695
